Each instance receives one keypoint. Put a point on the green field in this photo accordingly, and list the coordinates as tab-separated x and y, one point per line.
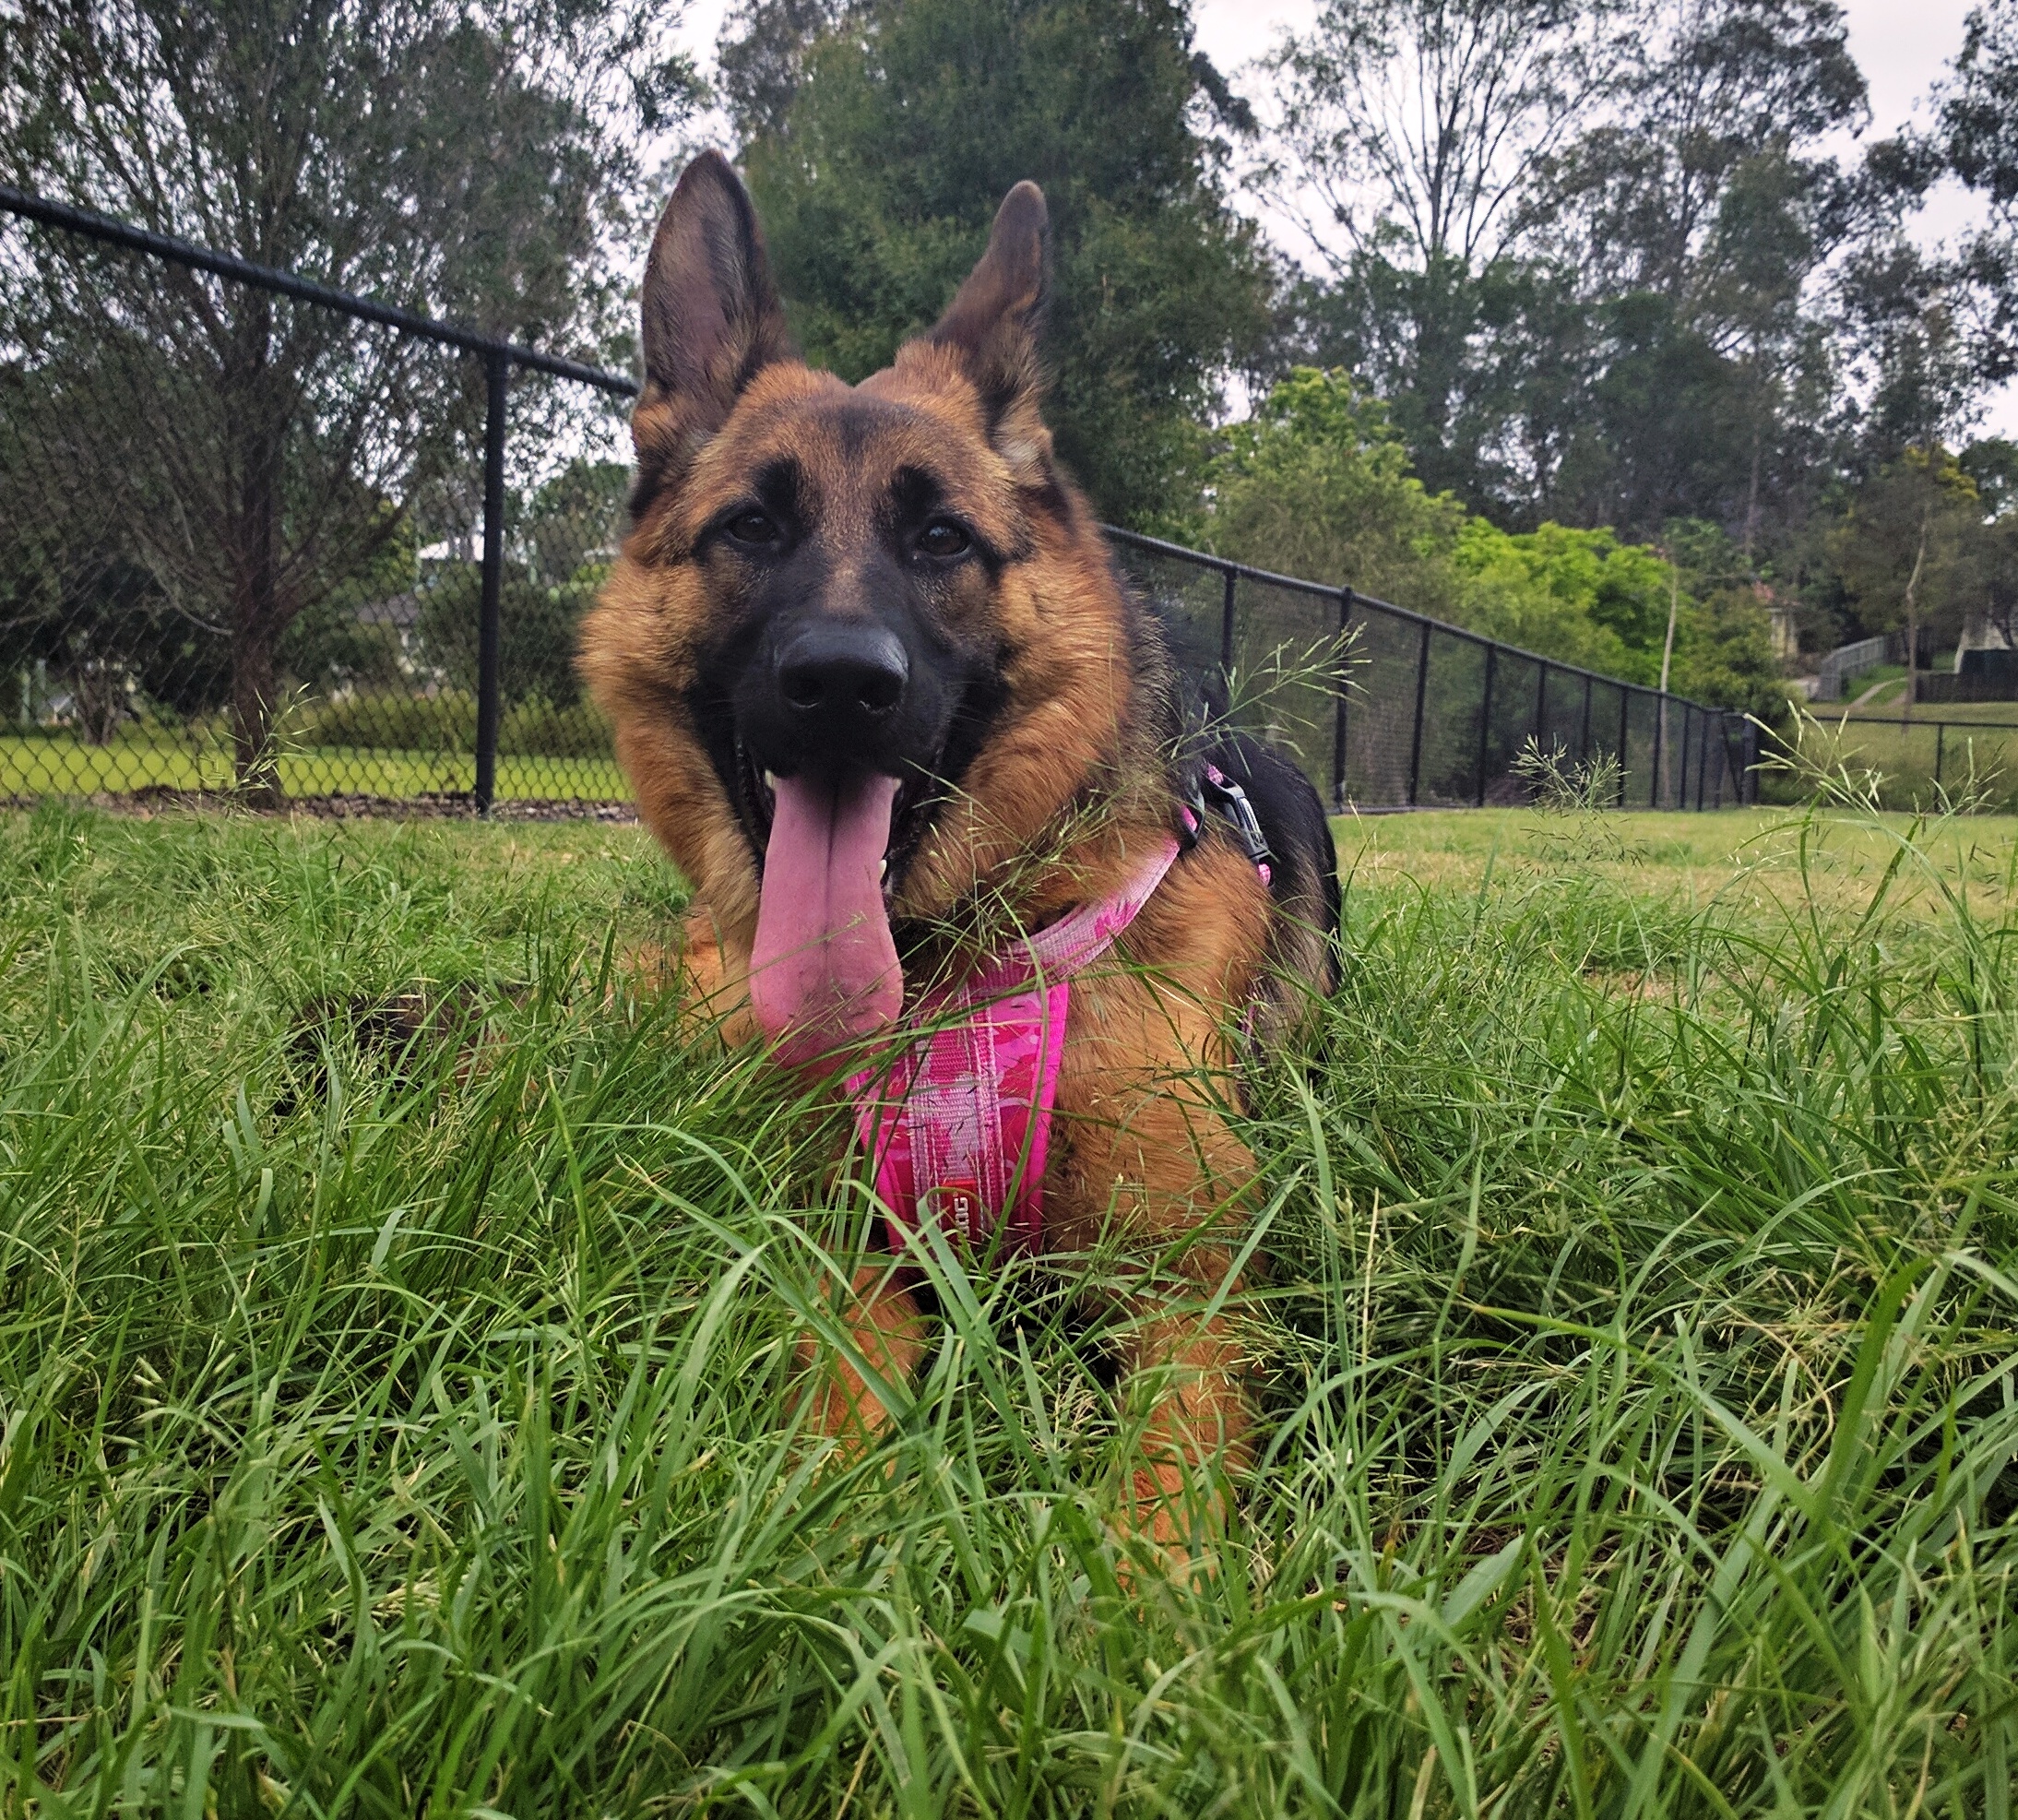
1990	713
1977	765
1638	1349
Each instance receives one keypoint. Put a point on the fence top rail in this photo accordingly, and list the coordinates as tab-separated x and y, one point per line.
94	226
1226	565
1917	721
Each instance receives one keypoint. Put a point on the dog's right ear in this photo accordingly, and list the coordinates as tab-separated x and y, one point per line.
711	319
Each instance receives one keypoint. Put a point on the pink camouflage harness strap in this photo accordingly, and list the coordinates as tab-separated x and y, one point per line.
959	1127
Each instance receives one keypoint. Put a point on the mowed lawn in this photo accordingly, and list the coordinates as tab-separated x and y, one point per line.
1637	1344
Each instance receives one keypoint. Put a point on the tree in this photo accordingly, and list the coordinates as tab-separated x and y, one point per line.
1976	137
466	160
760	53
1317	483
1585	248
905	125
1903	548
1416	129
1698	217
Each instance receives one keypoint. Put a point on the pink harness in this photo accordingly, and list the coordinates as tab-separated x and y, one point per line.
959	1129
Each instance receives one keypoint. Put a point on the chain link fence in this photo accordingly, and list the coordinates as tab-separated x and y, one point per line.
1386	709
262	540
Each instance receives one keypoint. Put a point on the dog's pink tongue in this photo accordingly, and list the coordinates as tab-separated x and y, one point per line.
823	970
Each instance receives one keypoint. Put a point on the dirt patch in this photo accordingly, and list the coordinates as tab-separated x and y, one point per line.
151	799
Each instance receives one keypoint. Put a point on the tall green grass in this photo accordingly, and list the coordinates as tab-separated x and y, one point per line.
1638	1349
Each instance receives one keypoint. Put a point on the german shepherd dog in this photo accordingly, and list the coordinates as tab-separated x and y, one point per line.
880	694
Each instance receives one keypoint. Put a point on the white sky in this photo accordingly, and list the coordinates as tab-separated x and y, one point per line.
1902	46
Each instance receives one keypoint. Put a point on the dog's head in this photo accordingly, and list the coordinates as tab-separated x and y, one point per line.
863	643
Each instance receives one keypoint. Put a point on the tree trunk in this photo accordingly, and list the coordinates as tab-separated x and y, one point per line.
1751	496
256	685
258	613
97	696
1913	619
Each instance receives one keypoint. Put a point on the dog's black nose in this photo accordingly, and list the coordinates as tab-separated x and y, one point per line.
846	676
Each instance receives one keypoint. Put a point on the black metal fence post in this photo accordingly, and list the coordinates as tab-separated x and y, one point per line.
1226	629
1339	706
490	623
1485	729
1941	742
1625	709
1660	798
1584	739
1414	740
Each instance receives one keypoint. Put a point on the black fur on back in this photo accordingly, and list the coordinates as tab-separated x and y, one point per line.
1304	877
1304	950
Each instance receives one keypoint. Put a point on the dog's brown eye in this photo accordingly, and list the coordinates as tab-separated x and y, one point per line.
753	528
943	538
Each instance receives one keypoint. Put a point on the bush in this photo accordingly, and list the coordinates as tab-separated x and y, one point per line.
537	729
394	721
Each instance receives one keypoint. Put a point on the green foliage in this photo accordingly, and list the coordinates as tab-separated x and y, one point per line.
344	639
536	728
1635	1350
1724	655
1576	245
393	719
1903	546
909	124
400	720
1317	484
572	522
1579	595
537	625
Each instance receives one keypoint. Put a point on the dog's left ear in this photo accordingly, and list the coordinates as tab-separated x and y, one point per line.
992	325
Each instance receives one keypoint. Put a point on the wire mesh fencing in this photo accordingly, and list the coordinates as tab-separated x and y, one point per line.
262	540
1385	709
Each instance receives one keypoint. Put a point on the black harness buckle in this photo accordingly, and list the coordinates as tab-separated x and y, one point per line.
1212	786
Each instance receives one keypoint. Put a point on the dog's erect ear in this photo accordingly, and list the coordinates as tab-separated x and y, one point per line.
991	326
711	315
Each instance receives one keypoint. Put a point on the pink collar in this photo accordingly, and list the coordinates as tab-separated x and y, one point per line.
960	1125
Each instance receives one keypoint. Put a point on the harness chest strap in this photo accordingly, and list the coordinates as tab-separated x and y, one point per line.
959	1126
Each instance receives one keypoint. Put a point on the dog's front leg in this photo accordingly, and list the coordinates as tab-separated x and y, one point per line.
1181	1377
1151	1167
885	1330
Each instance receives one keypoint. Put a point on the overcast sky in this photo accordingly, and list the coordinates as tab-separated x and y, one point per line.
1901	46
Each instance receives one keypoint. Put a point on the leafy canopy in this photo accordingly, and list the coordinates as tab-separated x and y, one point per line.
1318	483
905	125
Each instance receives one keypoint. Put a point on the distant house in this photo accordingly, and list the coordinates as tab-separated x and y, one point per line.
398	613
1982	633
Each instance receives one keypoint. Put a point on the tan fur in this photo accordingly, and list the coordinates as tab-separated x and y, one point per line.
1067	793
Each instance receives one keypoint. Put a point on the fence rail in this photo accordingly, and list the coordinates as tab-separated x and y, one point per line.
1833	674
1421	714
258	534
